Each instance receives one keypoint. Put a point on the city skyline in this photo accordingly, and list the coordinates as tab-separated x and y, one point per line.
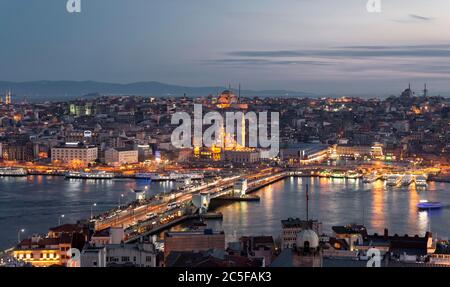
298	45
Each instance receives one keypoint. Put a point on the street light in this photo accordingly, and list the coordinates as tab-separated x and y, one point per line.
18	234
92	206
60	219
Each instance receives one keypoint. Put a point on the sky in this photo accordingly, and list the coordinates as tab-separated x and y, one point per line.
317	46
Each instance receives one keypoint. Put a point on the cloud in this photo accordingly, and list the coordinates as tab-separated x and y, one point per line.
419	17
431	51
414	18
252	61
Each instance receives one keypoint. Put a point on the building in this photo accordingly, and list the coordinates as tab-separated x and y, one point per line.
291	228
304	152
306	252
119	255
209	258
201	240
353	151
242	156
119	156
17	150
258	247
110	235
75	153
47	251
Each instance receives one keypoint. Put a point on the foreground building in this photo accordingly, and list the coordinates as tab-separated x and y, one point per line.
201	240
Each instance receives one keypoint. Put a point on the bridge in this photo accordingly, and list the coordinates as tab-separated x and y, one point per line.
173	208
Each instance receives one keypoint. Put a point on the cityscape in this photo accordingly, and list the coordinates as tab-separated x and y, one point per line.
303	158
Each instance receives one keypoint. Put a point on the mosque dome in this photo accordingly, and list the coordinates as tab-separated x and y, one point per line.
227	97
307	238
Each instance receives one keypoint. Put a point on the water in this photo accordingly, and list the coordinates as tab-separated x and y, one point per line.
36	203
339	202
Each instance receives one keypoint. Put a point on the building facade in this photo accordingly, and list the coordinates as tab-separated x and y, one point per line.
70	152
118	156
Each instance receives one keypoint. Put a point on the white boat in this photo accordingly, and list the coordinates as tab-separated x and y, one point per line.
393	180
407	180
351	174
421	181
12	171
371	178
90	175
152	176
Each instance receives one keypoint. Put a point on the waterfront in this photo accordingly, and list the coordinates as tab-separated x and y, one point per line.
35	203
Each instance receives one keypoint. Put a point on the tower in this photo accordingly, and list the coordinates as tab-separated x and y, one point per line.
8	98
425	90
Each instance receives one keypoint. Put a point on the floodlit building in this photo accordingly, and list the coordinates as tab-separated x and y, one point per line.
70	152
118	156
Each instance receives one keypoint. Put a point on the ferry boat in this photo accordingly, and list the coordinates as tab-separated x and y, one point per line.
12	171
393	180
90	175
427	205
371	178
351	174
407	180
421	181
338	174
324	173
152	176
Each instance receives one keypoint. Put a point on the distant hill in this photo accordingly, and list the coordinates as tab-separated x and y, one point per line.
66	90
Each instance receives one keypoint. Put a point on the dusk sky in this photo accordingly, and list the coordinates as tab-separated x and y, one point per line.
318	46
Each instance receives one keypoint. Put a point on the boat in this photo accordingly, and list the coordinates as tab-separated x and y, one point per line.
393	180
371	178
338	174
152	176
351	174
407	180
90	175
324	173
421	181
13	171
427	205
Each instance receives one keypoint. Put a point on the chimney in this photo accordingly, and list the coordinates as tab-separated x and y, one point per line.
386	232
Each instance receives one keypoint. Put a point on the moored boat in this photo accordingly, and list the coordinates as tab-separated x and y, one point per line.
421	181
393	180
12	171
426	205
407	180
90	175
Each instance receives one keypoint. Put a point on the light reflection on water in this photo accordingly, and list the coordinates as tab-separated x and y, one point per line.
36	202
339	202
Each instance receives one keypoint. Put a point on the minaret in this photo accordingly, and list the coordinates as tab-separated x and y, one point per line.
425	91
8	98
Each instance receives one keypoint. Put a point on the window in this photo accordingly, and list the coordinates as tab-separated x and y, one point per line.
148	259
125	258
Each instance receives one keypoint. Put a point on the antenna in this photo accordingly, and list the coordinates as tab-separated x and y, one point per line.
307	203
239	94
